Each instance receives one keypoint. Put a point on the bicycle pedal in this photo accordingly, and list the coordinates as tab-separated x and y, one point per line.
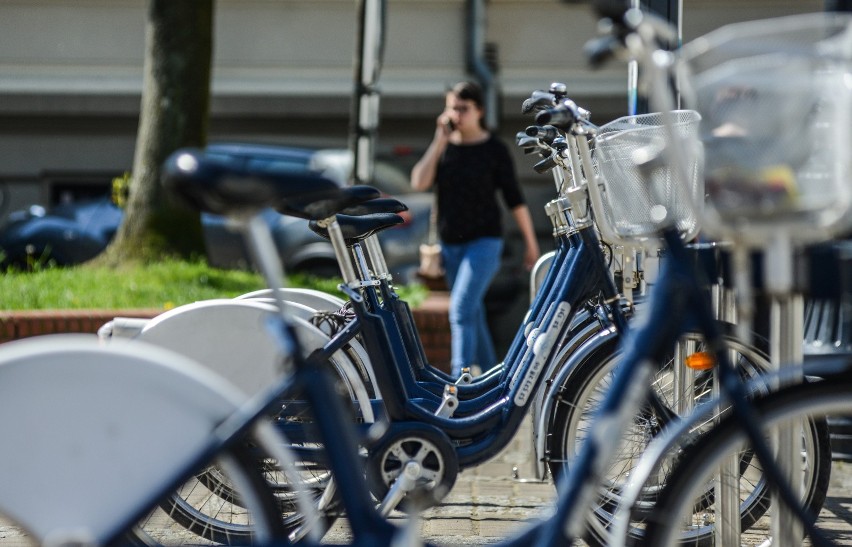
465	378
449	403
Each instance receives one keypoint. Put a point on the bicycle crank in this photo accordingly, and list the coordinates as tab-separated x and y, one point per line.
411	468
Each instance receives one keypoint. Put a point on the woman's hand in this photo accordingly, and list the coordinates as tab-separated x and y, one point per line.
445	126
525	225
531	256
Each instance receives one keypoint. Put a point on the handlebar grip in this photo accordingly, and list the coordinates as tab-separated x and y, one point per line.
601	49
544	132
561	116
537	100
545	165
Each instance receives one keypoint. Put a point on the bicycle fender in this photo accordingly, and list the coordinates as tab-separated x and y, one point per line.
542	423
575	338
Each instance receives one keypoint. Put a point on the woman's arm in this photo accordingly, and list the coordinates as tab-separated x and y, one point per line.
525	225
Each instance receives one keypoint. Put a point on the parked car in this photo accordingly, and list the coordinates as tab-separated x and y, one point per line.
73	233
68	234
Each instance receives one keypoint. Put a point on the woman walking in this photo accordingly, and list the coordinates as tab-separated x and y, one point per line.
469	166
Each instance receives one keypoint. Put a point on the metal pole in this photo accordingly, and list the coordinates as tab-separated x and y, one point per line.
477	61
364	120
671	11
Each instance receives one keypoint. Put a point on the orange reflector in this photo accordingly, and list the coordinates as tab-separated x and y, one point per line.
700	361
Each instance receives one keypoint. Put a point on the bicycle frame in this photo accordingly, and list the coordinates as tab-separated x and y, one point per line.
486	423
679	294
433	380
579	273
780	472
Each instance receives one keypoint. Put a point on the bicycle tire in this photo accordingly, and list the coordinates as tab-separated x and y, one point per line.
810	401
223	355
579	395
195	505
253	515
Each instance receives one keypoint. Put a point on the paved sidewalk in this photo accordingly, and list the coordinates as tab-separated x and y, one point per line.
488	503
492	501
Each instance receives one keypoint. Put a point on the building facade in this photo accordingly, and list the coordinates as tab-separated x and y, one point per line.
71	76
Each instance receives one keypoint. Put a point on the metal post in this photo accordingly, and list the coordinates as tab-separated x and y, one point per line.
364	120
786	341
671	11
477	60
727	481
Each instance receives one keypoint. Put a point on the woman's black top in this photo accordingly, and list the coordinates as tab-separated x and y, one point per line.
467	180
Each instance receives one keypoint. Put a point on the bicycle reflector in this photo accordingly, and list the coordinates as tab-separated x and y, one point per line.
700	360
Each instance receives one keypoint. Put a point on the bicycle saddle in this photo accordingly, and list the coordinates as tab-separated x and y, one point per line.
380	205
318	207
357	228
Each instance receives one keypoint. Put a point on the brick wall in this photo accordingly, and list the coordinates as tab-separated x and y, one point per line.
430	318
23	324
433	325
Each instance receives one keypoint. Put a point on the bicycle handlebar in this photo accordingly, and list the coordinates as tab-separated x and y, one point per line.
546	164
561	116
601	49
546	133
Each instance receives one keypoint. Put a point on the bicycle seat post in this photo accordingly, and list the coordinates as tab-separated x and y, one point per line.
377	258
337	242
360	259
265	256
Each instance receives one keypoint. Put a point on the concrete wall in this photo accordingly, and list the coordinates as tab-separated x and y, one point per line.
71	73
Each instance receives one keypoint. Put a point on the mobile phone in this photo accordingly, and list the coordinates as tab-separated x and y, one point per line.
451	125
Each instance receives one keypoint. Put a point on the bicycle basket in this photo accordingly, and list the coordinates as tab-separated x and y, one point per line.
636	200
775	98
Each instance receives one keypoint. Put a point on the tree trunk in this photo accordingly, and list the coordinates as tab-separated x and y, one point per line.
174	114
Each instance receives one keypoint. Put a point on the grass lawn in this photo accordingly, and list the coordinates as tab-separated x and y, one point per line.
159	286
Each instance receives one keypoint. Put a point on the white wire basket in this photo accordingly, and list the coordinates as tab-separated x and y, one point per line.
775	98
634	200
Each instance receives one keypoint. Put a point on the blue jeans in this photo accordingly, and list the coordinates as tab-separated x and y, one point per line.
470	268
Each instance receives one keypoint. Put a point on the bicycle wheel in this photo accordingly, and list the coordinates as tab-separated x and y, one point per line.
251	516
581	393
209	506
186	330
690	482
134	418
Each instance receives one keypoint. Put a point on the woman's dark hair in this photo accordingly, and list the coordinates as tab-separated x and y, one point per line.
471	91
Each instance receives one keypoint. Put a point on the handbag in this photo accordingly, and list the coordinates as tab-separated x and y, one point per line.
431	266
430	261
